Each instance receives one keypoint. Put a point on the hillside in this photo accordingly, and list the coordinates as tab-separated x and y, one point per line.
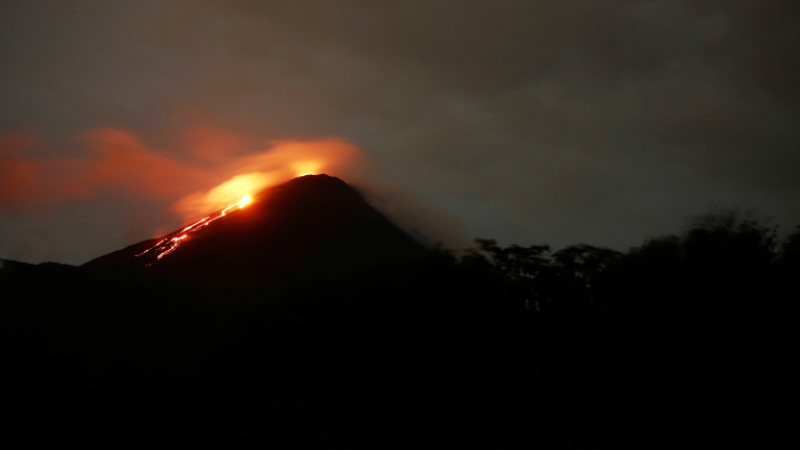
311	225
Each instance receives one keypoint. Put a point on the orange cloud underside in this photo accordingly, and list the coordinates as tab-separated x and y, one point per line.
124	163
115	161
211	170
282	161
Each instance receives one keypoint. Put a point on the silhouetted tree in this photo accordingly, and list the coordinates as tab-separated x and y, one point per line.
730	248
789	258
527	272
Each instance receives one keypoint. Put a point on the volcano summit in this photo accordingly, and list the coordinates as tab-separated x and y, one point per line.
311	225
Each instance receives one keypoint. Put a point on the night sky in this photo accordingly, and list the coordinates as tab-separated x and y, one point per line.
531	122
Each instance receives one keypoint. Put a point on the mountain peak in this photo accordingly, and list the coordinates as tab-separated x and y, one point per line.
313	224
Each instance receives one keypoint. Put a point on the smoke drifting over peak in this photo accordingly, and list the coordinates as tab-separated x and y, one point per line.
210	170
115	160
107	160
278	162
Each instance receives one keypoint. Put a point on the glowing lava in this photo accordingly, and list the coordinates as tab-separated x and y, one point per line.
171	243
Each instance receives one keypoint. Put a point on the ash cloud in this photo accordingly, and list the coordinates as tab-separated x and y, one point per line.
211	170
113	160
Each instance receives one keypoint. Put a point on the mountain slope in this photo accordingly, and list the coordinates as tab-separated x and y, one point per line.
312	225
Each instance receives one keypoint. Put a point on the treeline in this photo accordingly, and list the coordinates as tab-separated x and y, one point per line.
525	347
499	347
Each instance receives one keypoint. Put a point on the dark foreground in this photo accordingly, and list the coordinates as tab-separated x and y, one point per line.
503	348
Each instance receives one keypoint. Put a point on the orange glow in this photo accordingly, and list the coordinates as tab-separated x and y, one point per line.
206	171
238	205
113	160
171	243
304	168
281	161
125	163
238	187
19	176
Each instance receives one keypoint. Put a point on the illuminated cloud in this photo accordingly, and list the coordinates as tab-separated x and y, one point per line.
18	175
124	163
211	171
200	171
278	162
116	161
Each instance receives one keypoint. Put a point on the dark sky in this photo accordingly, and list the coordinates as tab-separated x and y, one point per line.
558	122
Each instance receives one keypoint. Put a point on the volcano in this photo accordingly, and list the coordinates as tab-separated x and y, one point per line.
312	225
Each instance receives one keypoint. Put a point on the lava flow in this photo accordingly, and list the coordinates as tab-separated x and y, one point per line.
171	243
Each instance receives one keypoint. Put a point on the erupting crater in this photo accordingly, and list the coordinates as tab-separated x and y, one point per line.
309	226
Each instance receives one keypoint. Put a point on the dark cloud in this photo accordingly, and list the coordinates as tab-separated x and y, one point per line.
548	121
